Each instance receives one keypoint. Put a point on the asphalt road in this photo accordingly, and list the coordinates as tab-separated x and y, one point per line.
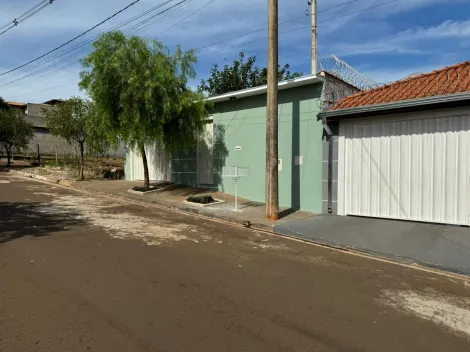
81	273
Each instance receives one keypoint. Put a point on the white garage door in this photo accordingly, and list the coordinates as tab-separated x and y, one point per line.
408	169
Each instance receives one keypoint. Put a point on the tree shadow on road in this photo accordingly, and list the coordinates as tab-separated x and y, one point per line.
30	219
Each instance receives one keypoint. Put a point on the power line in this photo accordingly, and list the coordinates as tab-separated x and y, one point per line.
171	9
23	17
90	41
81	44
73	39
24	14
295	29
185	18
133	29
339	5
284	32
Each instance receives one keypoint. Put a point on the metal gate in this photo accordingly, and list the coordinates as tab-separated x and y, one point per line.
409	169
159	164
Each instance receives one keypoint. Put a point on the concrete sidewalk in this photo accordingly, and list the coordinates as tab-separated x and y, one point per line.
433	245
174	197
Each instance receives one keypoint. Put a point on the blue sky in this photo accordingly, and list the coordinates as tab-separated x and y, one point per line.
385	43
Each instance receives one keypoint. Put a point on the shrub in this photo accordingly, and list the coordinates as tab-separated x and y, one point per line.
201	199
143	189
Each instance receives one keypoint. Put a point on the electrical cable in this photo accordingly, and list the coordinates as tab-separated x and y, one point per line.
74	55
73	39
22	15
297	28
90	41
28	14
166	2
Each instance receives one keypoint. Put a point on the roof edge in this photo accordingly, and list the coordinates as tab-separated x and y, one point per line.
407	79
291	83
402	104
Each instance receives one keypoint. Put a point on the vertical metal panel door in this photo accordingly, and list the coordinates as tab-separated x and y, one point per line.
408	169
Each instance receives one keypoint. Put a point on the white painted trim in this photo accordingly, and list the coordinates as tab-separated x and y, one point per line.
341	170
468	178
291	83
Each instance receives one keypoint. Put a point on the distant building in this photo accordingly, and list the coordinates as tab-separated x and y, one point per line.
48	144
54	102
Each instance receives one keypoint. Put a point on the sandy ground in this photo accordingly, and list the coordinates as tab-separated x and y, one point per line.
81	273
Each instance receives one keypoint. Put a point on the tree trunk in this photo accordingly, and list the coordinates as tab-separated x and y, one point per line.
8	150
146	167
82	162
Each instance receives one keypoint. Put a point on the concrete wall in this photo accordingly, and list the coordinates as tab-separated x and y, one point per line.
36	109
334	90
47	142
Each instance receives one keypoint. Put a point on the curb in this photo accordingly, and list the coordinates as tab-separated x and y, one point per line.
63	182
183	208
261	227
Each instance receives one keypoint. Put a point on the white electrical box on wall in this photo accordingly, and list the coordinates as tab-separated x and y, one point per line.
237	148
279	164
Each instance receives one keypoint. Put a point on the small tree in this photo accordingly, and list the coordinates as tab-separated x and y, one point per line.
141	93
15	133
241	75
3	104
70	121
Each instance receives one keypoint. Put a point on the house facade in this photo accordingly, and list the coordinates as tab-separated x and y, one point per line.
402	151
236	137
43	139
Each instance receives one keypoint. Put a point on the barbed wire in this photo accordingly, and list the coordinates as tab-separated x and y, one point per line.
448	80
342	70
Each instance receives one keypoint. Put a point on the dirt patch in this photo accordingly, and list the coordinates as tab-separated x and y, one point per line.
448	311
68	168
121	225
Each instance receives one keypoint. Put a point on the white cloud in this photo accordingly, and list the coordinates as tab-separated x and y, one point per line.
219	20
387	75
410	41
446	29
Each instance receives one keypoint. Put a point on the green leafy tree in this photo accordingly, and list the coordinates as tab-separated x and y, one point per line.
3	104
71	121
240	75
15	132
141	93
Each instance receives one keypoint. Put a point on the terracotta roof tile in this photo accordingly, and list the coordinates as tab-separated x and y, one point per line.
15	104
452	79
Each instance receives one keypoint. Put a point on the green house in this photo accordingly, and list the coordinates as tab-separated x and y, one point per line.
237	138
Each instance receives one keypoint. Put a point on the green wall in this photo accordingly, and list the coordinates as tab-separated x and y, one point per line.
242	123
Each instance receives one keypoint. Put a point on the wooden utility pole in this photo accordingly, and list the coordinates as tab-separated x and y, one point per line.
314	38
272	182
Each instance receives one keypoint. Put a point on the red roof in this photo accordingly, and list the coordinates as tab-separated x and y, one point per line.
449	80
12	103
